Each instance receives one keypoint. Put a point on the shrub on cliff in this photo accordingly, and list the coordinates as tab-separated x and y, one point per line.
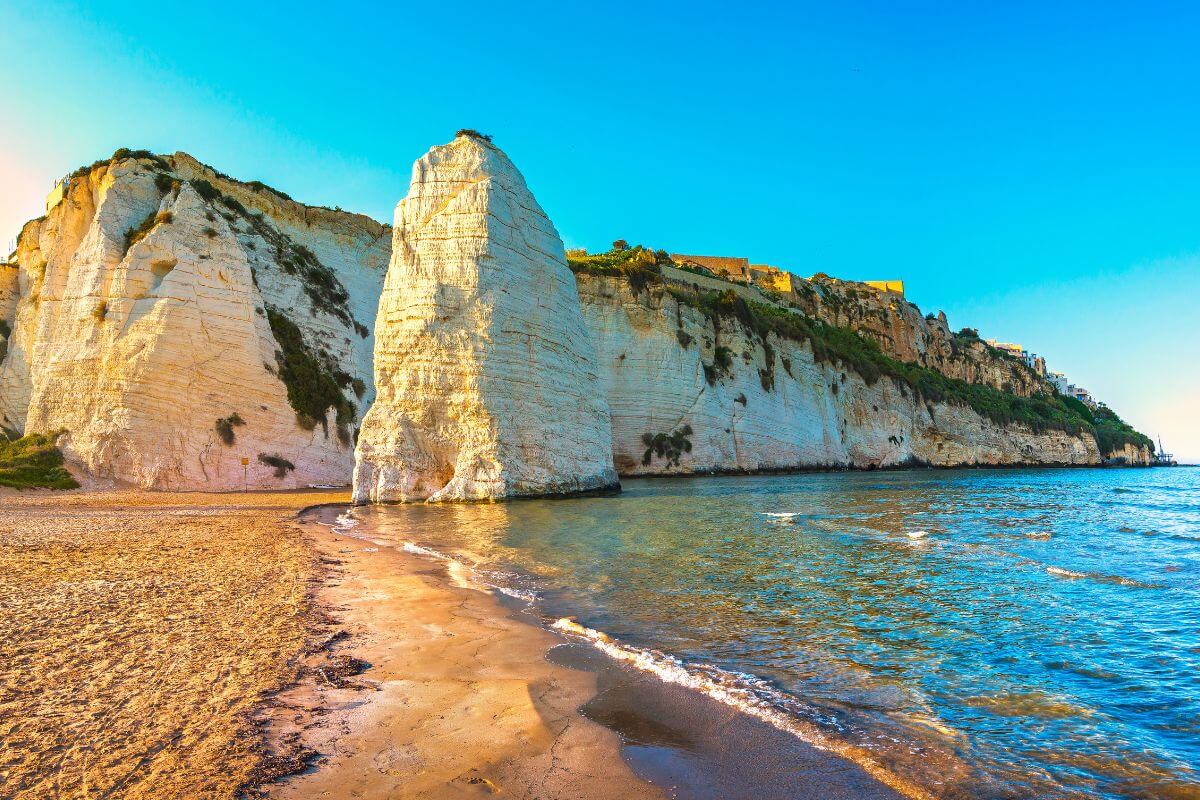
135	235
205	189
282	465
474	134
670	446
225	426
1113	433
314	385
834	344
33	462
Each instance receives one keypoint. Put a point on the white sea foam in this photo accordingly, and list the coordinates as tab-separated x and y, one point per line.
917	534
780	514
1065	573
344	522
746	693
428	552
524	595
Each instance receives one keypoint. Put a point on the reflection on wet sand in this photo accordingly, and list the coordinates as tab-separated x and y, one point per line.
915	616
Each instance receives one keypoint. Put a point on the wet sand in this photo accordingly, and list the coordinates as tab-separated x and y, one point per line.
467	695
459	699
186	645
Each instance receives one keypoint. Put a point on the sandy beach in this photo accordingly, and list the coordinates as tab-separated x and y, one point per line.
187	645
144	639
459	699
138	632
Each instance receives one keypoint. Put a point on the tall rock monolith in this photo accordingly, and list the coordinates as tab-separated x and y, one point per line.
487	384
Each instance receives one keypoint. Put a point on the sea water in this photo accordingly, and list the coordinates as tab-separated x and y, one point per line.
974	633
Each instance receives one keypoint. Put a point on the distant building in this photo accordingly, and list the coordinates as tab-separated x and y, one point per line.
731	269
57	193
887	286
1031	360
1082	395
1060	382
771	278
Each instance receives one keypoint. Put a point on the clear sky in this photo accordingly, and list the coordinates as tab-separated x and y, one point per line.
1032	168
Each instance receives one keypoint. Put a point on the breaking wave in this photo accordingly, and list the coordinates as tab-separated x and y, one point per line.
746	693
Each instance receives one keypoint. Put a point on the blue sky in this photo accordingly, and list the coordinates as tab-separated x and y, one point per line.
1033	171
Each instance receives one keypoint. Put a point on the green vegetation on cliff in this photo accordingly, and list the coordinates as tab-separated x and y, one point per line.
33	462
638	265
314	384
843	346
1112	432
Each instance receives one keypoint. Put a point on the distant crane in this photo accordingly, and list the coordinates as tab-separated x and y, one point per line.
1162	458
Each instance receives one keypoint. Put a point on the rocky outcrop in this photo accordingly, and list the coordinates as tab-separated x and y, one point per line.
903	333
486	377
680	406
1130	455
191	331
187	330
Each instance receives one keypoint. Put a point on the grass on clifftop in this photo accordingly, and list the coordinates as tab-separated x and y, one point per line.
638	265
33	462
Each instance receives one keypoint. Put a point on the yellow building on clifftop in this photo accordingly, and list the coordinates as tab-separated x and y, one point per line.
887	286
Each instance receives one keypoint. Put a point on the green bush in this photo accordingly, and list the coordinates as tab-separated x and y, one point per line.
474	134
33	462
135	235
282	465
833	344
259	186
205	189
640	266
1113	433
667	445
314	383
225	426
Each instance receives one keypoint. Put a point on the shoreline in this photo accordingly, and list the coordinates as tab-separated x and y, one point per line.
670	740
454	698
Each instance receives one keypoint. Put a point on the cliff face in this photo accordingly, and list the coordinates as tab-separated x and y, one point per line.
903	333
776	409
188	330
191	331
486	377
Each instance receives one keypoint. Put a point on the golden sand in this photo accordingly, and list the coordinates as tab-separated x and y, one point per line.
137	634
145	638
460	700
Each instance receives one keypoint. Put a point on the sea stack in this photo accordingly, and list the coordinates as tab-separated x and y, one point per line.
486	377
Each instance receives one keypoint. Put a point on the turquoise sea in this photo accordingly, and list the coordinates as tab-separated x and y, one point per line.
975	633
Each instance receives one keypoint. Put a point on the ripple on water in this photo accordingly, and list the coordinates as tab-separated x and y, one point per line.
1053	663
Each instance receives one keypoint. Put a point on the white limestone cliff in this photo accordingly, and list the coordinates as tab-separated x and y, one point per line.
144	327
486	376
667	417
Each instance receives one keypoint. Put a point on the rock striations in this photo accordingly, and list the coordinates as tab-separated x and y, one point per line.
689	396
187	330
485	374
